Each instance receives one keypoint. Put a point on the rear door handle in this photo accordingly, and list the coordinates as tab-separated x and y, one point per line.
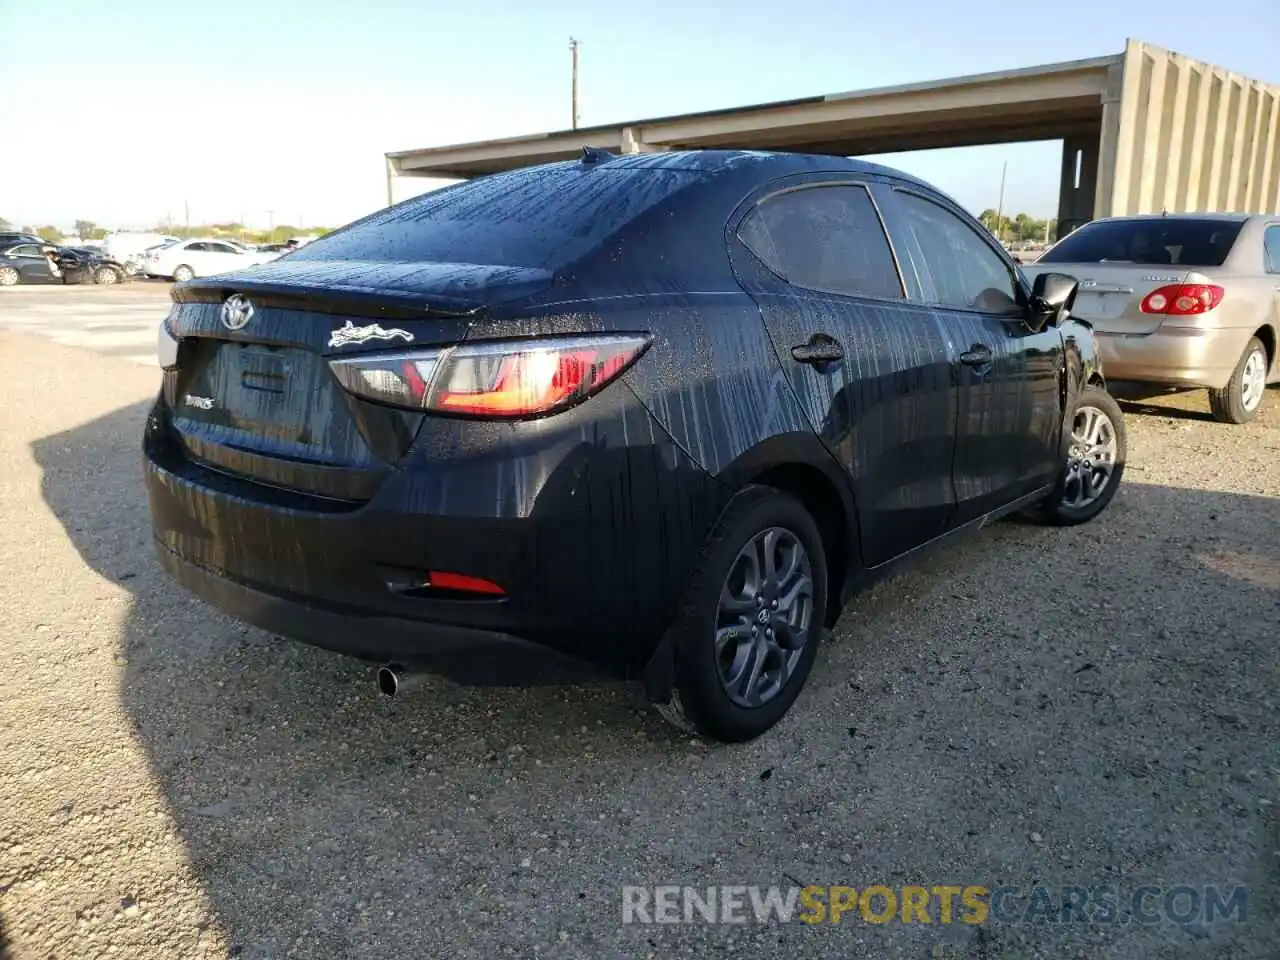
821	348
976	356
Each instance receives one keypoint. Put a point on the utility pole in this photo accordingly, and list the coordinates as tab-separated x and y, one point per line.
573	49
271	220
1000	205
186	215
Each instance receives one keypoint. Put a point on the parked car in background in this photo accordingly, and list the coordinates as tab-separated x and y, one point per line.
101	268
43	263
201	257
663	412
8	239
125	246
1181	300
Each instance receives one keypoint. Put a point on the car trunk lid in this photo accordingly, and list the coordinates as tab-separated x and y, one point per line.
1111	294
253	394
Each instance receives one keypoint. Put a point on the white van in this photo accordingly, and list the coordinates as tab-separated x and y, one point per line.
125	245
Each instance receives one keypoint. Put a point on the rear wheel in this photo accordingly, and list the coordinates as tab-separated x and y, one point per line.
9	276
105	275
748	631
1241	399
1095	462
183	273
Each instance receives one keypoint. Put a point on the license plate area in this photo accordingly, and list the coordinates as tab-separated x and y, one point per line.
273	400
264	373
1105	305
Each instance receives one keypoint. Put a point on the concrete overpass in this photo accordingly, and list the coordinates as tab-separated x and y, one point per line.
1144	130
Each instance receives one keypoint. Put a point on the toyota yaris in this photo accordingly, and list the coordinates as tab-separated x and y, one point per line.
665	413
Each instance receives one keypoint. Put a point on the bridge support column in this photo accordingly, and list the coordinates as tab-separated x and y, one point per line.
632	142
1078	187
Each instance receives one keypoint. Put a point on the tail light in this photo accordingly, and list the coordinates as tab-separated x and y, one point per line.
509	378
166	345
1182	299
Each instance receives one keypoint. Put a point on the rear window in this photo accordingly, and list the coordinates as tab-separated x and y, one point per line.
540	217
1175	242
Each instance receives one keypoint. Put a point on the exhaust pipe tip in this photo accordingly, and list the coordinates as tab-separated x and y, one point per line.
388	678
393	679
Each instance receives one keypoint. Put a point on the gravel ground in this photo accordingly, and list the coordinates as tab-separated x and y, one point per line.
1080	706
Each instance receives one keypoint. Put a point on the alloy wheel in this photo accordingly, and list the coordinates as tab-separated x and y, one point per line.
106	276
1253	380
764	616
1091	458
8	276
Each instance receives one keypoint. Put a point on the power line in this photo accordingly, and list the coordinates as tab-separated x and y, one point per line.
573	49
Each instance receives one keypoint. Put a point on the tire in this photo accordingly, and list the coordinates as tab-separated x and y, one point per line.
1241	399
9	277
701	701
183	273
105	276
1062	508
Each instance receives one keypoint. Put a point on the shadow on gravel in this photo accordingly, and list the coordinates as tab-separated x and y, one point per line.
1176	405
1101	688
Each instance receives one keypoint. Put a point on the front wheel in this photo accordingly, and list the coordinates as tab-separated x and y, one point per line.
183	273
105	275
748	631
1241	399
1095	462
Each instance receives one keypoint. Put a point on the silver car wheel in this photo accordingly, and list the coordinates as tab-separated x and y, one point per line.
763	620
9	276
1253	380
1091	458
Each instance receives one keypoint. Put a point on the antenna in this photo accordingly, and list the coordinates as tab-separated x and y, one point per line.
573	49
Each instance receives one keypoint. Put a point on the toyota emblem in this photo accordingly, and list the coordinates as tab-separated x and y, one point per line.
236	312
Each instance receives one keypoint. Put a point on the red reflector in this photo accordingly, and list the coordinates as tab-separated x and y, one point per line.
1182	299
443	580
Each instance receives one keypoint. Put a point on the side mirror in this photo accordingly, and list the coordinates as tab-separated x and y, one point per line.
1052	297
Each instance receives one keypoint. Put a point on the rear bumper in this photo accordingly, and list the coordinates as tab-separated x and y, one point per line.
1177	356
591	541
364	635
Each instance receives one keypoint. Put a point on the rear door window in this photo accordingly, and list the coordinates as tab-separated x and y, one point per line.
824	238
1271	248
966	272
1162	241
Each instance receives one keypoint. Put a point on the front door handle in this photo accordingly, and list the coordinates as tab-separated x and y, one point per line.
978	355
820	349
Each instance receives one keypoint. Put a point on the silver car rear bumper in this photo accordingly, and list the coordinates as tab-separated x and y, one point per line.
1177	356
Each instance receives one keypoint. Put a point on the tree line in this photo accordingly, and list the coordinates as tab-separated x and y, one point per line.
1015	229
88	230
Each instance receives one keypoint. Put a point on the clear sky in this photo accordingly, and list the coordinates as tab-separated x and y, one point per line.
121	111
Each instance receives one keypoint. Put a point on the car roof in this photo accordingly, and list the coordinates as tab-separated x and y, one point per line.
772	163
1147	217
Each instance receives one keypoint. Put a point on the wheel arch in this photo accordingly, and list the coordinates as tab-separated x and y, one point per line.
798	464
1267	334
